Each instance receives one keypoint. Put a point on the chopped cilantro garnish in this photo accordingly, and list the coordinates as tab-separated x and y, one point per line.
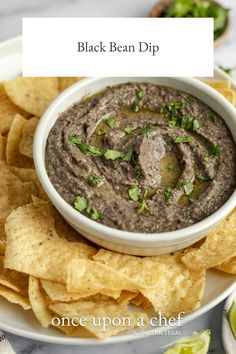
146	130
187	139
212	117
138	173
172	122
140	94
80	203
127	156
196	125
174	106
113	154
178	185
134	193
143	208
186	122
118	155
110	121
168	193
190	198
135	105
85	148
188	188
128	130
95	214
204	178
189	101
227	70
213	149
94	181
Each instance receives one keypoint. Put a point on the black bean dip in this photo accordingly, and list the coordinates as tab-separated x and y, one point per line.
142	157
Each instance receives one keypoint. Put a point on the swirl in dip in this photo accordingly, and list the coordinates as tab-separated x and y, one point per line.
142	157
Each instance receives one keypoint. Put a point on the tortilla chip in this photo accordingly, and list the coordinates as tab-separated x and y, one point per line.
65	82
219	246
125	297
229	94
13	154
32	94
33	241
228	266
173	288
27	136
8	110
87	275
13	280
58	292
14	297
222	84
13	192
106	310
29	175
39	303
3	143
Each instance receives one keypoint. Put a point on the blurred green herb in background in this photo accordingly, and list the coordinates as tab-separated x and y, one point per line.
197	8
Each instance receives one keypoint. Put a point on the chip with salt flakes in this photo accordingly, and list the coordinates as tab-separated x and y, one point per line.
13	192
13	155
32	94
172	287
228	266
58	292
39	302
87	275
219	246
8	110
33	226
111	318
27	136
14	297
12	279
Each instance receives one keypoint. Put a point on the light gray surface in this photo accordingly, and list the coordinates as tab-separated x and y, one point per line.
11	12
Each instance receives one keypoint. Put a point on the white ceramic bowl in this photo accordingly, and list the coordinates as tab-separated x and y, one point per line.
117	240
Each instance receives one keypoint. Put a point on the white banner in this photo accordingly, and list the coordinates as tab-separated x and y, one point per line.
118	47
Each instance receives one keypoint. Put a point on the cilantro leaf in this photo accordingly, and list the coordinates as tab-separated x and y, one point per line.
213	149
94	181
212	117
95	214
113	154
204	178
138	173
111	122
188	188
128	130
187	139
134	193
85	148
168	193
80	203
146	130
127	156
135	105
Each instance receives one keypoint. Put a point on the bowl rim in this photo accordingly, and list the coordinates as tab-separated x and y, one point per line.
102	231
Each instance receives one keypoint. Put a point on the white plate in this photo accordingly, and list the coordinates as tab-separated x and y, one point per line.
229	342
17	321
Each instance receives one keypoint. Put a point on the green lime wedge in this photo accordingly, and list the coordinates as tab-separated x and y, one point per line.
232	318
196	343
